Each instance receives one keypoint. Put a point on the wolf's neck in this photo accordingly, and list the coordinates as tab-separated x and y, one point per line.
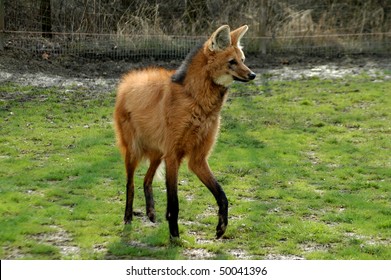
181	73
200	85
194	76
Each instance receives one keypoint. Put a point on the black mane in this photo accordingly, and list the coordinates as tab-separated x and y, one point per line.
180	74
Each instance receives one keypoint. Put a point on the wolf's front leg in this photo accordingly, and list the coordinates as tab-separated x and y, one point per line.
202	170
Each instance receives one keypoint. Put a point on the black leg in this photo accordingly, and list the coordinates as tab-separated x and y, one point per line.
148	192
172	166
203	172
130	167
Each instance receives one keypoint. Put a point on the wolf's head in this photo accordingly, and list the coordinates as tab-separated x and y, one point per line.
225	56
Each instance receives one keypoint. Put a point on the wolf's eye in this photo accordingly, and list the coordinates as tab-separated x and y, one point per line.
232	62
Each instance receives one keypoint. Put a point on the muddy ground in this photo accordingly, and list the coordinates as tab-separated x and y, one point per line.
102	75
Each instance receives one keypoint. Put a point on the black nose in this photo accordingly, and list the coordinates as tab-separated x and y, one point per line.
252	76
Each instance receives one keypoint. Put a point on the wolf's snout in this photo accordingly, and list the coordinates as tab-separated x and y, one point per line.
251	76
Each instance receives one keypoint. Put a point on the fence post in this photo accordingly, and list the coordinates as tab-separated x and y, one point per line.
2	27
262	27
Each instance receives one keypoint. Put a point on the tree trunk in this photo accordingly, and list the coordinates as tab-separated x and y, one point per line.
46	18
2	27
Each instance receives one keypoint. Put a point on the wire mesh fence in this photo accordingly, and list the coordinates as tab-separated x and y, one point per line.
104	45
136	29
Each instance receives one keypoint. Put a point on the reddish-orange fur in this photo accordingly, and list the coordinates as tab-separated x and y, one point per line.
159	118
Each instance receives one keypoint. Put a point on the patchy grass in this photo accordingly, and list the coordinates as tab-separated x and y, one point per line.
305	165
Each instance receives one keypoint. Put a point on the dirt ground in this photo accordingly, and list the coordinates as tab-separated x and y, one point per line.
102	75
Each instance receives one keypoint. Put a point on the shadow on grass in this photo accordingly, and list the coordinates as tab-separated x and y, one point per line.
147	241
139	244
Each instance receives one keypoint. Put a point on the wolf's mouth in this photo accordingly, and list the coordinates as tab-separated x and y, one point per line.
250	76
240	79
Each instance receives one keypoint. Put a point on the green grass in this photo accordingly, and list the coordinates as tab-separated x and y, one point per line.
305	164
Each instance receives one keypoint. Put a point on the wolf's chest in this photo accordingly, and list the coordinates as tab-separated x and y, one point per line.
201	127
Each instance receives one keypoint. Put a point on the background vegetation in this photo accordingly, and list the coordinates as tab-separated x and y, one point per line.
308	26
196	17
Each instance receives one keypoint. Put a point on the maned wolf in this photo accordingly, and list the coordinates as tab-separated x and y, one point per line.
172	115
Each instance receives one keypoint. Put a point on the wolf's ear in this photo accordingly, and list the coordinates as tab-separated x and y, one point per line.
220	39
237	35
